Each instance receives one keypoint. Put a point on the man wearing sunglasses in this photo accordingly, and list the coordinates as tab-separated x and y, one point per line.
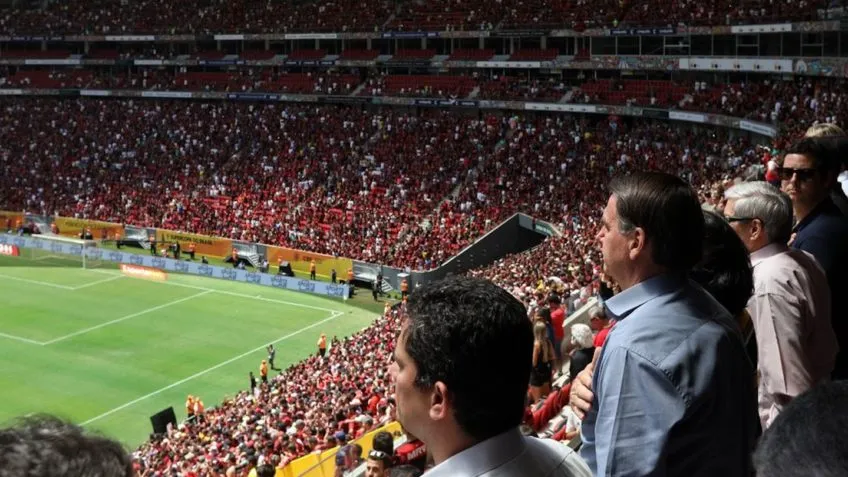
808	174
378	464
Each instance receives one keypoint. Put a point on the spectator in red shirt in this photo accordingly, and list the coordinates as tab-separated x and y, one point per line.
557	320
601	325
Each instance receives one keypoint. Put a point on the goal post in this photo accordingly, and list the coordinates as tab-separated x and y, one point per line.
57	251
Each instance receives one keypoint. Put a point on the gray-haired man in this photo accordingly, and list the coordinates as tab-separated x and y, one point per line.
790	308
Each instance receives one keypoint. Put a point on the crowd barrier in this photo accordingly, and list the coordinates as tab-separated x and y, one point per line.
205	245
10	219
70	227
178	266
324	464
210	246
301	261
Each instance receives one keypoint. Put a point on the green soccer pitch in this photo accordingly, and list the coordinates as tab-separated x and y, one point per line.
108	351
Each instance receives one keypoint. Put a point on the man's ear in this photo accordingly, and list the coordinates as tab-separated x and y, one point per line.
636	243
757	229
439	402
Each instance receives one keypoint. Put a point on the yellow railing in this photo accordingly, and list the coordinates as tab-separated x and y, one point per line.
204	244
324	464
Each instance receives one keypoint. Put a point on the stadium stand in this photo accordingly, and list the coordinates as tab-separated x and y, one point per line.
105	17
534	55
419	233
360	55
465	54
330	204
402	188
513	89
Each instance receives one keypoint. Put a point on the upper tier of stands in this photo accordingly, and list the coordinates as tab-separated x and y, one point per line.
243	16
768	99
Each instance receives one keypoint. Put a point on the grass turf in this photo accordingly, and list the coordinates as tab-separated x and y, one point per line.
108	351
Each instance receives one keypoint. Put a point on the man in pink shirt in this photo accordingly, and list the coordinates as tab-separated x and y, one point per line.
790	307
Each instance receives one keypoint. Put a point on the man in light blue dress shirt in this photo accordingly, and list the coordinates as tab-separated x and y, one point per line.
673	388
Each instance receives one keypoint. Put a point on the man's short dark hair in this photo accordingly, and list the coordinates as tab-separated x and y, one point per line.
265	470
667	209
807	437
475	337
383	441
45	445
823	151
725	269
406	470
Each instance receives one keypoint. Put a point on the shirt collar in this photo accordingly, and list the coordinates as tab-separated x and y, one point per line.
823	206
482	457
769	250
625	302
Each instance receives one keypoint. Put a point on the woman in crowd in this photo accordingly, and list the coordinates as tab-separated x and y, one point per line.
543	360
582	341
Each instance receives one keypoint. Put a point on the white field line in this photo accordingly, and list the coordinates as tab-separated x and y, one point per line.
123	318
96	283
36	282
335	315
241	295
18	338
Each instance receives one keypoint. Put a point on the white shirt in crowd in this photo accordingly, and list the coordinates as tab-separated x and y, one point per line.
511	454
790	309
843	181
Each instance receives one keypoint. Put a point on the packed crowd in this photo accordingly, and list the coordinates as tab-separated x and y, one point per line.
791	103
330	200
522	89
245	80
220	183
197	16
312	406
332	180
536	173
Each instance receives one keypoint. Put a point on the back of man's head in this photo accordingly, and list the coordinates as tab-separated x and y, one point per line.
475	338
405	470
43	445
807	437
668	211
824	130
265	470
384	442
725	269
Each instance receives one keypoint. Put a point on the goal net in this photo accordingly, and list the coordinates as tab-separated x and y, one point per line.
58	251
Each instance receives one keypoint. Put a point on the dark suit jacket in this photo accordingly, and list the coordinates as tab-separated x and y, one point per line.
824	234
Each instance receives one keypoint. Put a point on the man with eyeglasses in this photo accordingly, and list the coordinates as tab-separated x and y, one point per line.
790	307
808	174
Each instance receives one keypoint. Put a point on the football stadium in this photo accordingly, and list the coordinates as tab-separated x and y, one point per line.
444	238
